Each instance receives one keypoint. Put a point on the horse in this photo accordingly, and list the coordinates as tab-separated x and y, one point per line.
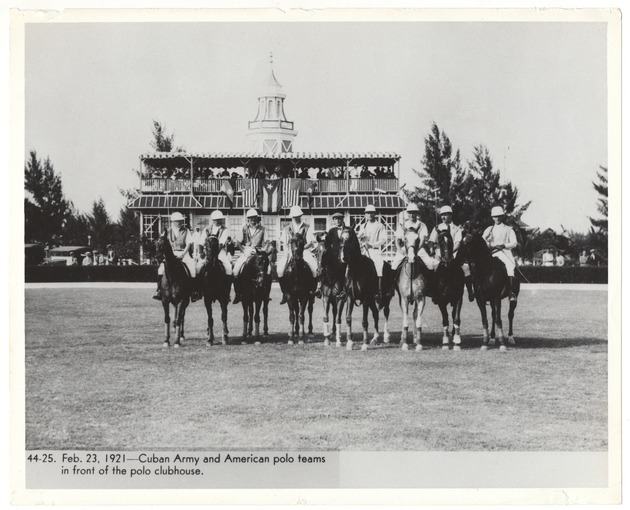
411	285
176	285
216	287
491	283
255	283
298	283
449	289
333	276
362	288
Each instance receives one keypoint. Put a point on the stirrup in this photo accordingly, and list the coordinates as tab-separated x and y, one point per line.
158	295
237	298
317	293
284	299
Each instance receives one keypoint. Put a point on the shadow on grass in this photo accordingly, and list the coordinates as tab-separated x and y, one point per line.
430	341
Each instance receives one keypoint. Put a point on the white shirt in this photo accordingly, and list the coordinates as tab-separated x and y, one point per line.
374	233
456	234
500	234
417	225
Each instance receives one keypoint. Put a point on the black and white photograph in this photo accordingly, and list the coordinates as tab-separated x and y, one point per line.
317	251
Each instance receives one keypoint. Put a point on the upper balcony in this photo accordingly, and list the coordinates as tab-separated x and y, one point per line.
317	186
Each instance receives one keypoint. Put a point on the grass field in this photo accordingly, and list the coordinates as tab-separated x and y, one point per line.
97	377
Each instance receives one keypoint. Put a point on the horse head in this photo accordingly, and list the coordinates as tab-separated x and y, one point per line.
350	249
412	244
162	247
212	248
297	246
472	246
261	265
445	242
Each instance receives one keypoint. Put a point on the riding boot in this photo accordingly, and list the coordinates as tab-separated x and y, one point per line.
285	297
158	291
469	287
237	292
511	289
197	286
318	290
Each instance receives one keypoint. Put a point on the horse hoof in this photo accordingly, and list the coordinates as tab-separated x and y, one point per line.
364	347
445	347
290	342
457	339
419	347
243	342
326	342
337	343
166	344
511	340
386	339
349	345
457	348
503	348
176	345
404	347
374	341
209	343
301	342
257	342
484	347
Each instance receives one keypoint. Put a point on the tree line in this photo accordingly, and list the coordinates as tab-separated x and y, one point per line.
470	188
474	187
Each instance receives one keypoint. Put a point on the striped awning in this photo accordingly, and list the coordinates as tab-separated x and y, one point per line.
353	202
165	202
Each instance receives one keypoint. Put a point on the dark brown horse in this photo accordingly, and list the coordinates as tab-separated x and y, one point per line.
449	289
255	283
216	287
491	283
176	286
362	287
299	284
333	277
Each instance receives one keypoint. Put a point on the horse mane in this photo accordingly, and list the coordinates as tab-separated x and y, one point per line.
212	250
445	240
351	248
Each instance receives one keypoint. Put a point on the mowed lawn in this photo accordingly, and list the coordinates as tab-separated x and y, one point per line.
97	377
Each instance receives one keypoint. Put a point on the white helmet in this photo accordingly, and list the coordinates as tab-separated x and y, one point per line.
296	211
497	211
412	208
446	209
177	216
252	213
370	208
217	215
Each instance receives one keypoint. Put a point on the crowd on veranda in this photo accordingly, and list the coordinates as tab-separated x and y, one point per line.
278	172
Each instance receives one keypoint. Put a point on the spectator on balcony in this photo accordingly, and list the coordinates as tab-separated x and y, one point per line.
337	173
365	173
303	173
355	173
234	175
324	173
225	174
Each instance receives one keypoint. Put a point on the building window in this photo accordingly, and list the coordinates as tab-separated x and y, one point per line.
154	224
272	232
287	145
270	146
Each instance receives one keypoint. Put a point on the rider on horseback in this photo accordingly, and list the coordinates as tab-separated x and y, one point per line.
218	230
253	237
334	235
182	243
446	215
413	224
373	236
297	226
501	239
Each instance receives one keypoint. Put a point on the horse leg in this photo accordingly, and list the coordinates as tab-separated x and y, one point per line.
500	337
405	329
484	323
364	324
418	310
349	324
181	311
311	301
445	323
457	339
245	304
374	309
176	325
208	302
326	304
265	317
167	323
511	319
302	309
292	319
338	324
224	320
386	335
250	322
258	304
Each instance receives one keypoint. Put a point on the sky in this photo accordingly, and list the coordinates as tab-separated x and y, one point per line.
533	93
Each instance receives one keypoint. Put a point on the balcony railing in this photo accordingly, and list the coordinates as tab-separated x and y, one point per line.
320	185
